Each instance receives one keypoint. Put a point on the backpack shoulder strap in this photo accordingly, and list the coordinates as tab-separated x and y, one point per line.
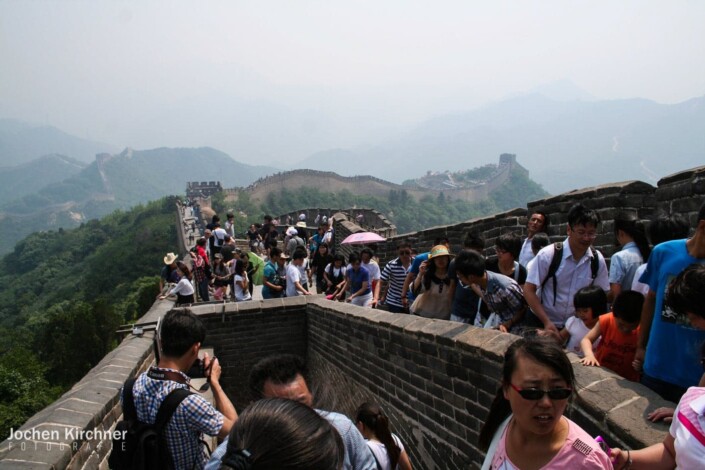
168	407
553	268
595	263
129	411
517	271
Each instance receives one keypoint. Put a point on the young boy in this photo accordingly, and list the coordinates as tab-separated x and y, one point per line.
590	302
620	332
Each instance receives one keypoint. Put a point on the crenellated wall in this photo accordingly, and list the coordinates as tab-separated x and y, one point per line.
680	193
434	378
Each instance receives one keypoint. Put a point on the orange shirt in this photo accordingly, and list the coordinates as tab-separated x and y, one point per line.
616	350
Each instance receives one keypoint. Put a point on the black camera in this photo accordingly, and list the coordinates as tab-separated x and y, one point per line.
198	369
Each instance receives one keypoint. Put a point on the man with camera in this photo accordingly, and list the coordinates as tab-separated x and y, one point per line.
180	337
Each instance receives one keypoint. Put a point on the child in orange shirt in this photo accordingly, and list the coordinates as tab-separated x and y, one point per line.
620	331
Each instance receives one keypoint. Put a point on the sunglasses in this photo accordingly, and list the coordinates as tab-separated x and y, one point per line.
536	394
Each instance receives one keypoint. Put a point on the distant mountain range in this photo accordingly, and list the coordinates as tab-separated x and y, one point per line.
111	182
21	142
564	144
27	178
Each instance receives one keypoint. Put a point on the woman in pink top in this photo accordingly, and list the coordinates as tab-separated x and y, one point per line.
526	428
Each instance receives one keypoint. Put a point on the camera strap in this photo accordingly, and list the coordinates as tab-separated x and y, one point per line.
163	374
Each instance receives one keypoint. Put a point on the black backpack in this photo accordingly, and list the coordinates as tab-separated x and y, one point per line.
556	262
138	445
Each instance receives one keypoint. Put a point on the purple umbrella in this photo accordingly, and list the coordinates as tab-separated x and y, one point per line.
362	238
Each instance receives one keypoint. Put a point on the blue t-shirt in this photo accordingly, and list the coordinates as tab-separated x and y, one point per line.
270	274
673	350
416	264
356	279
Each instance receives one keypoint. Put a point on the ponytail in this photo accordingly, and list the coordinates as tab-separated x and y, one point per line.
499	410
373	418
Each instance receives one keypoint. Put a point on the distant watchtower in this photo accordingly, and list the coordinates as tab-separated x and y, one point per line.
202	189
507	159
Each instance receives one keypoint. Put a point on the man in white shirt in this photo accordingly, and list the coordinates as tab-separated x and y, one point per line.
538	222
293	275
551	297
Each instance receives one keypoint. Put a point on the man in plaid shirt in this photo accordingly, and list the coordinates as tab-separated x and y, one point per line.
182	334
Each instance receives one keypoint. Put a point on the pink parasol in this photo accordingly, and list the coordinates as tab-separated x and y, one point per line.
362	238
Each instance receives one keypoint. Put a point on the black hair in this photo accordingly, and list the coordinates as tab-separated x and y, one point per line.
474	241
184	269
632	226
686	293
283	434
240	266
509	242
298	254
353	257
323	245
215	219
338	257
546	219
279	369
627	306
302	232
274	252
367	251
664	227
441	241
372	416
403	244
178	331
470	263
546	351
581	215
592	297
431	272
267	217
539	241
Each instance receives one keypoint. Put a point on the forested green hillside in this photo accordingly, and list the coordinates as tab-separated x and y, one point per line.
62	295
401	209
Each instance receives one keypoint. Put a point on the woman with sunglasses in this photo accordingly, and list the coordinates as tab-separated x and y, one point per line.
525	428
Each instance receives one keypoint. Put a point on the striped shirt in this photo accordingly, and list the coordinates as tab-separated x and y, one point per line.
194	417
394	273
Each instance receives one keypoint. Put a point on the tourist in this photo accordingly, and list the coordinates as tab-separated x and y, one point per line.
386	447
184	288
316	240
507	247
663	228
619	331
358	281
464	301
254	239
392	279
590	302
294	278
537	223
434	300
230	224
335	278
221	277
276	433
368	262
169	273
242	290
666	346
251	269
180	336
273	284
538	242
630	235
219	235
525	427
286	376
202	272
321	259
500	294
407	294
575	263
294	241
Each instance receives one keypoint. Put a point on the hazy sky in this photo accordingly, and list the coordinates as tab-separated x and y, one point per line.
328	73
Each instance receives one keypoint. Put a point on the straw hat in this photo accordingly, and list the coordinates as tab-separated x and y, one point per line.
438	250
170	258
301	224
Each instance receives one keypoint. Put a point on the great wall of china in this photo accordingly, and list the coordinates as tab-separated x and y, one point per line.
436	379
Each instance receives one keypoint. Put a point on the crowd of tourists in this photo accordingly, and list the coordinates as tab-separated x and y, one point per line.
643	318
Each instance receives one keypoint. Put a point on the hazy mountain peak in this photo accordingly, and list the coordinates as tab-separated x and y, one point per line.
559	90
